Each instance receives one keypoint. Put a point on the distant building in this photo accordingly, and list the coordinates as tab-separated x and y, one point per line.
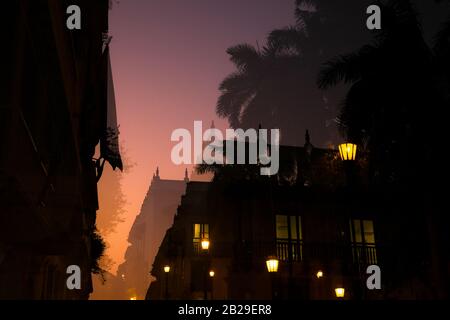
322	229
56	105
156	216
107	287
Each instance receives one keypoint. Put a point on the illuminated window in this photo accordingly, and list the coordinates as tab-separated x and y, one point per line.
289	237
201	232
282	227
363	241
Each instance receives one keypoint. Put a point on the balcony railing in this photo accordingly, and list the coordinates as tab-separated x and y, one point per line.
364	254
290	251
296	251
196	247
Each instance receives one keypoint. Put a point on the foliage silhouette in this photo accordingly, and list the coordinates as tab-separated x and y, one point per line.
392	80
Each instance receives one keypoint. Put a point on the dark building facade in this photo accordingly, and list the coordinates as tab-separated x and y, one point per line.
156	216
55	90
321	220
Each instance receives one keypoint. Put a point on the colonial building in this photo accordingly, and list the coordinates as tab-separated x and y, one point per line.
318	218
56	105
156	216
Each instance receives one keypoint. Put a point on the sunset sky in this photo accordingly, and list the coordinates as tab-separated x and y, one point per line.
168	58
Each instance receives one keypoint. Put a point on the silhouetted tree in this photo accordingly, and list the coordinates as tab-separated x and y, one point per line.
262	90
399	91
275	85
393	100
112	202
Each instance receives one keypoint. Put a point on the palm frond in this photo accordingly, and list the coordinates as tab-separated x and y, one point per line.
356	110
244	56
343	68
304	10
346	68
235	81
286	38
236	90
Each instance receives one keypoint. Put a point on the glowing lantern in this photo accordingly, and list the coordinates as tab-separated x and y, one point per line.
272	264
205	244
347	151
340	292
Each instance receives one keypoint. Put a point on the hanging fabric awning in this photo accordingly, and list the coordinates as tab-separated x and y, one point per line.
109	144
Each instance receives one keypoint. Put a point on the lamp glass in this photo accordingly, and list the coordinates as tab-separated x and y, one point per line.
272	264
340	292
347	151
205	244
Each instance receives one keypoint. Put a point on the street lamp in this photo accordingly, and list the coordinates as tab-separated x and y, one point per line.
205	244
272	267
347	151
319	274
211	275
205	247
166	271
340	292
272	264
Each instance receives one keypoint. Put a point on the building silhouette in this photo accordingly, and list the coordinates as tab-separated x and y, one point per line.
156	216
56	106
318	217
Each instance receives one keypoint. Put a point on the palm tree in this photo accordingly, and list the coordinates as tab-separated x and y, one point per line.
392	81
275	86
262	89
269	85
399	89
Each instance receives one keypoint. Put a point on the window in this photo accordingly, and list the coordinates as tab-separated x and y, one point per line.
289	237
201	231
362	236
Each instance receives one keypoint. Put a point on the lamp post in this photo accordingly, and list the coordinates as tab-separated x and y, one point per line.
166	271
320	285
347	152
205	247
211	276
272	267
